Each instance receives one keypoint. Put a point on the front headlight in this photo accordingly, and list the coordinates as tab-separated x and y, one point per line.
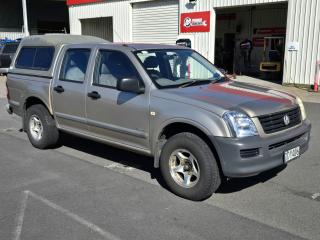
302	109
240	124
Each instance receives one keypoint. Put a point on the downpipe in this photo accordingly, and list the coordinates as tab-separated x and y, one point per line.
317	78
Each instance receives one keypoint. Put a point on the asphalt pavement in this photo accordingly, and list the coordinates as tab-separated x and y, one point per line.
86	190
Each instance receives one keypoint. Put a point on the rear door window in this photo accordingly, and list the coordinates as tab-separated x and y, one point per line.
35	58
74	65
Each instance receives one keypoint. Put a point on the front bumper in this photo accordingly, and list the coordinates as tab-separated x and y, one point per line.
270	154
4	70
9	109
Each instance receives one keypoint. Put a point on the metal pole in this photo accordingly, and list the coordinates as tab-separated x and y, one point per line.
25	18
317	78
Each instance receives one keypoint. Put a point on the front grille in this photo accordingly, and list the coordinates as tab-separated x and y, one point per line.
249	153
272	123
283	143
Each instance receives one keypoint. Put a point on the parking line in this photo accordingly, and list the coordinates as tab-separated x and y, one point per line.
56	207
20	216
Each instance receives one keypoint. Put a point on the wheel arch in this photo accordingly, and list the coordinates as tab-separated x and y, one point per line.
30	101
178	126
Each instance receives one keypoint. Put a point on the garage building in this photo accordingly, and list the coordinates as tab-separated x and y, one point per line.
44	16
283	33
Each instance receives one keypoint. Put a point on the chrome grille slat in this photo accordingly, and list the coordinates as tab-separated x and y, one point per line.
273	123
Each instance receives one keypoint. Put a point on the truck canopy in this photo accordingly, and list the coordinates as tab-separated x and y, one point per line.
57	41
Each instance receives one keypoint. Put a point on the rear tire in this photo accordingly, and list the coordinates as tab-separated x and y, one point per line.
41	128
189	167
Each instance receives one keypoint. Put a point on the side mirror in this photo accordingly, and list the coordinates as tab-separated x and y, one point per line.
223	71
132	85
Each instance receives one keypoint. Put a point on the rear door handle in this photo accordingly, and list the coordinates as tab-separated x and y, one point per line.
94	95
59	89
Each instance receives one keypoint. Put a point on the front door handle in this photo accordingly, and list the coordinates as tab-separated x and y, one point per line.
94	95
59	89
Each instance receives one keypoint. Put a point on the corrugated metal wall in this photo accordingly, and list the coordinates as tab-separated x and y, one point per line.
203	42
98	27
303	27
119	10
156	21
11	35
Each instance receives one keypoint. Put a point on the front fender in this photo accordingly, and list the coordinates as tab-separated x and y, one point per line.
210	124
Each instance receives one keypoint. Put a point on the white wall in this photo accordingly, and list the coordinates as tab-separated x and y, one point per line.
204	42
121	11
11	35
303	27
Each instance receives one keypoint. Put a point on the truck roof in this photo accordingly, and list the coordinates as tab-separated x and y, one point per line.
57	40
149	46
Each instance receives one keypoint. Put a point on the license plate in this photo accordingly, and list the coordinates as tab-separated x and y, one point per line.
291	154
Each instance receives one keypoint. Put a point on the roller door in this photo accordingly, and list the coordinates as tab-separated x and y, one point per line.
156	21
98	27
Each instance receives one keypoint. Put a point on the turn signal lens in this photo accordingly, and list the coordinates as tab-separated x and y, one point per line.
302	109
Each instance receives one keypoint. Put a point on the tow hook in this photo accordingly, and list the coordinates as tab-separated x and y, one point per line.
8	109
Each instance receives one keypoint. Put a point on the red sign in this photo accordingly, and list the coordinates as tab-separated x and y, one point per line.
273	30
258	41
195	22
77	2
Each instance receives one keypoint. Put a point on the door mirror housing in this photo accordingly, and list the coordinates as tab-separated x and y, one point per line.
132	85
223	71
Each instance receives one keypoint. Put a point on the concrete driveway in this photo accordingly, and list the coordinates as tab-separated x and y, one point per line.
86	190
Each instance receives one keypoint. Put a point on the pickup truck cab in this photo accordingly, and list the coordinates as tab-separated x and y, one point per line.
164	101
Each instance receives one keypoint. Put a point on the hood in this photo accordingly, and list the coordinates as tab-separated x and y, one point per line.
225	96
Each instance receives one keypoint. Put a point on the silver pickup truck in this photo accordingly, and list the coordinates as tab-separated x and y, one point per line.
164	101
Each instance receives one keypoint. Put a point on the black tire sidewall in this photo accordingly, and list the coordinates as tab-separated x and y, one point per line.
50	132
209	172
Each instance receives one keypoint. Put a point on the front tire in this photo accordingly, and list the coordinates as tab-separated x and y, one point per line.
41	128
189	167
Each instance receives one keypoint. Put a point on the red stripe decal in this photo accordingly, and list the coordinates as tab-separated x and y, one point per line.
220	88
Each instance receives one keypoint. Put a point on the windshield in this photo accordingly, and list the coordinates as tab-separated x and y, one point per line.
178	67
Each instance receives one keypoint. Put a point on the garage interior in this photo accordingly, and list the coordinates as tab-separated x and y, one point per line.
98	27
251	40
44	16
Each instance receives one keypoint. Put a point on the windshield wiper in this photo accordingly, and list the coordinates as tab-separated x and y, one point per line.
194	83
222	79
